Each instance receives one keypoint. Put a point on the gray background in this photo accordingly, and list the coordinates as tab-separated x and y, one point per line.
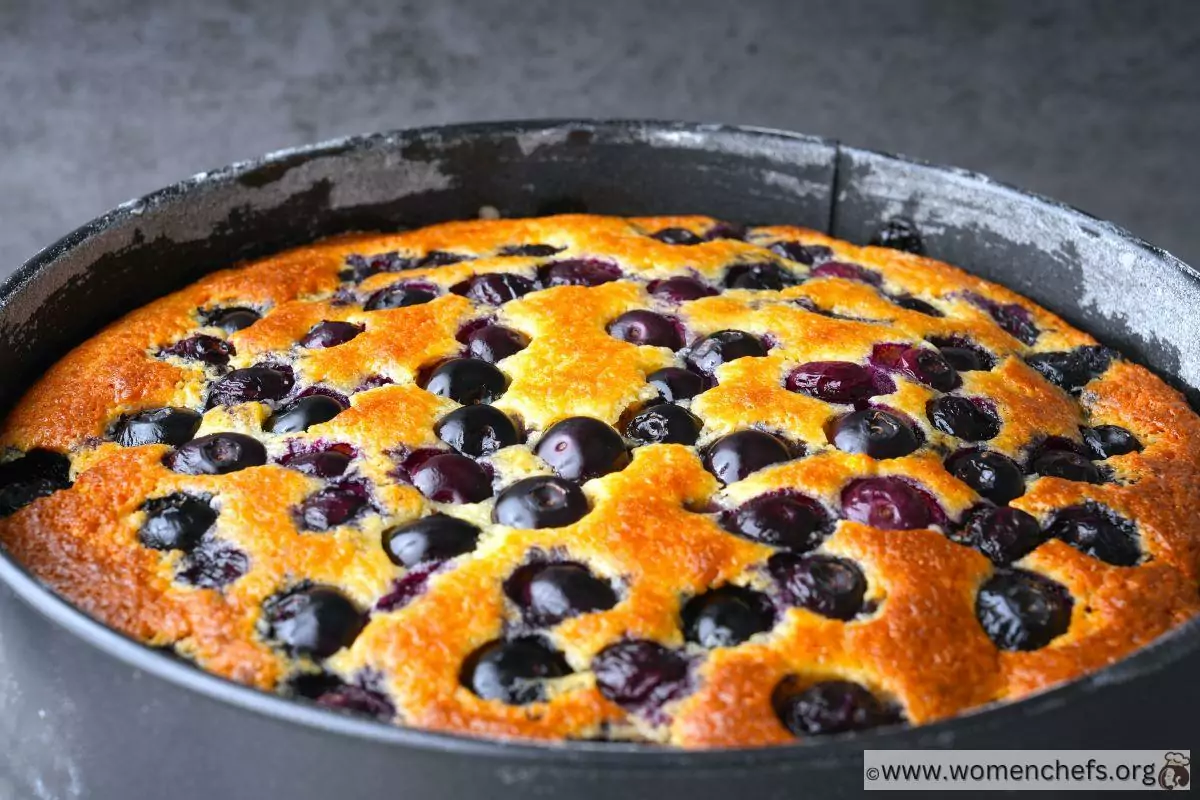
1096	103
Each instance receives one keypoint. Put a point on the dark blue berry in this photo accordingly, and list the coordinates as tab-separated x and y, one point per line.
578	272
332	506
1106	441
1021	610
739	454
494	288
231	320
542	501
1002	534
910	303
467	381
781	519
212	565
328	463
726	617
876	433
330	333
399	295
1072	370
838	381
172	426
828	707
646	328
928	366
994	476
963	417
680	289
216	454
492	343
1097	531
664	423
582	448
1065	464
452	478
513	672
252	384
360	267
677	236
801	253
531	250
890	503
442	258
314	621
962	354
727	230
1013	319
766	276
301	414
175	522
831	587
850	272
204	348
640	675
548	593
477	430
722	347
438	537
675	383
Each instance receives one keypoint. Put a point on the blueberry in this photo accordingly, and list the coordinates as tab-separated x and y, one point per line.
828	707
451	478
831	587
664	423
346	697
301	414
838	381
172	426
360	267
1106	441
252	384
1013	319
438	537
994	476
781	519
329	463
582	448
677	236
332	506
216	454
204	348
876	433
231	320
330	333
722	347
910	303
727	230
1072	370
531	250
542	501
513	672
548	593
212	565
443	258
477	430
1097	531
399	295
899	233
802	253
964	417
467	381
175	522
928	366
1067	465
1022	610
850	272
494	288
963	355
1002	534
889	503
639	674
314	621
675	383
726	617
409	586
766	276
578	272
680	289
739	454
492	343
646	328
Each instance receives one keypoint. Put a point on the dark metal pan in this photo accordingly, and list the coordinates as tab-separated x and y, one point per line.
85	712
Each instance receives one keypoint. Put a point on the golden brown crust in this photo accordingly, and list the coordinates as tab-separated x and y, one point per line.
651	529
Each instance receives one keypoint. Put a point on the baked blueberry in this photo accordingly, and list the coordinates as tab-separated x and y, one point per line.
250	385
646	328
437	537
722	347
739	454
802	253
582	448
664	423
328	463
784	519
349	698
467	381
175	522
675	383
1002	534
727	230
876	433
899	233
216	454
330	333
680	289
452	478
640	675
1106	441
168	425
1021	610
828	707
360	267
766	276
492	343
333	506
478	430
409	586
677	236
727	616
231	320
994	476
890	503
302	413
400	295
548	593
314	621
1066	464
965	417
443	258
494	288
838	381
531	250
928	366
1073	369
204	348
213	564
1098	531
963	355
850	272
513	672
1013	318
831	587
542	501
910	303
578	272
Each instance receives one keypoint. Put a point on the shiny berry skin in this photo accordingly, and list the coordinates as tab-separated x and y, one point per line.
664	423
175	522
722	347
172	426
768	276
1097	531
1002	534
542	501
677	236
399	295
212	565
582	448
332	506
802	253
1073	369
301	414
330	333
408	587
646	328
252	384
438	537
492	343
494	288
675	383
828	707
994	476
204	348
1067	465
850	272
639	674
531	250
963	417
578	272
231	320
1013	318
910	303
831	587
890	503
899	233
680	289
443	258
963	355
876	433
477	430
739	454
838	381
548	593
360	267
928	366
329	463
1021	610
314	621
451	478
780	519
1106	441
467	381
216	454
726	617
512	671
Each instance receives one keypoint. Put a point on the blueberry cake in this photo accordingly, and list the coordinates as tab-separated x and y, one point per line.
658	480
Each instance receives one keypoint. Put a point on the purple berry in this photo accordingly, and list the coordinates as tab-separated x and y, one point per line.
727	230
213	564
548	593
400	295
492	343
739	454
992	475
1065	464
438	537
876	433
330	333
828	707
922	364
1072	370
231	320
313	621
646	328
722	347
1106	441
675	383
216	454
303	413
578	272
513	672
838	381
452	478
1021	610
640	675
890	503
332	506
531	250
850	272
766	276
1013	319
965	417
831	587
680	289
677	236
899	233
408	587
780	519
494	288
963	355
542	501
204	348
253	384
360	267
175	522
467	381
477	430
801	253
664	423
356	700
582	448
910	303
172	426
328	463
1002	534
726	617
1099	532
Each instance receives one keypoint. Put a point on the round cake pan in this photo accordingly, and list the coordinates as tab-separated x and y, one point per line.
86	712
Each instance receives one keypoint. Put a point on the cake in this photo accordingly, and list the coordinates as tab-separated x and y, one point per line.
664	480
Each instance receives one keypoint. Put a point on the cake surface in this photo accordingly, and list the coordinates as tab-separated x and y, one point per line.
653	479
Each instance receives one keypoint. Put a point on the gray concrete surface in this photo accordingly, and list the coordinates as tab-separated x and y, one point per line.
1097	103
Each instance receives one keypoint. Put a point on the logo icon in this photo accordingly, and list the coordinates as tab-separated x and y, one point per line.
1175	773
